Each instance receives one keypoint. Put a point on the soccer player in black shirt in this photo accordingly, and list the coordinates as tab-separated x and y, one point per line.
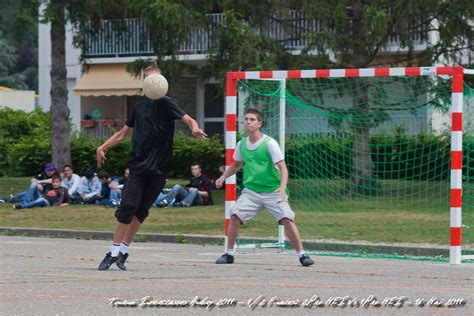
152	122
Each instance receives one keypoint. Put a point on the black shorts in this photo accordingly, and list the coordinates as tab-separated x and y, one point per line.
139	194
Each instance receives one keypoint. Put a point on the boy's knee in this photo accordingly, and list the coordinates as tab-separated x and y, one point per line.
235	220
285	221
123	217
141	216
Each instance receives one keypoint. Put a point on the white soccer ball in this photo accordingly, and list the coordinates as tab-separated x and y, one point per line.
155	86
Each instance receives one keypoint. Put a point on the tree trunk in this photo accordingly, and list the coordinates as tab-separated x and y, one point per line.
362	177
61	152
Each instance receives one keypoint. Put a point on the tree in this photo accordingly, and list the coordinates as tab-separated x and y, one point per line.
356	31
19	31
60	13
352	34
8	59
60	151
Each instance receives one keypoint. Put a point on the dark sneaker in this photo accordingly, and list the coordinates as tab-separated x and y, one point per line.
121	261
225	258
17	206
162	204
107	262
306	261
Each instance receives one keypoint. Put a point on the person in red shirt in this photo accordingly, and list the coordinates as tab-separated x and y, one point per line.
196	193
55	196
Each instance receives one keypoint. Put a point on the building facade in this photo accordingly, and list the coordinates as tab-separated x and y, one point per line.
101	93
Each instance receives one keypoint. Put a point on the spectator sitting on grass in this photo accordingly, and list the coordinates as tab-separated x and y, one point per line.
71	182
89	188
123	181
39	184
197	192
110	193
55	196
159	199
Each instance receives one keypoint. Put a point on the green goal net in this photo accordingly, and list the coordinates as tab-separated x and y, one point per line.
368	158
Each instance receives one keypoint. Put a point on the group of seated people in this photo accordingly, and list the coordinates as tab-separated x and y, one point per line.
54	188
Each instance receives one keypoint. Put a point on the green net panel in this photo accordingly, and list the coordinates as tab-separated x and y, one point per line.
368	158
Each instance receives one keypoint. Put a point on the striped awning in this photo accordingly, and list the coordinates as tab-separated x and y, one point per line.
108	80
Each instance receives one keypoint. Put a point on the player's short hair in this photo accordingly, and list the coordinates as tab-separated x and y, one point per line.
195	163
150	69
56	177
256	112
68	166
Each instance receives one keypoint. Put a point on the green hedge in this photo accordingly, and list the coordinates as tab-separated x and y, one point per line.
25	145
422	157
26	157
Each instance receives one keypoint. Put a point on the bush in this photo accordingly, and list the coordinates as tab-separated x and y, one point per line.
24	141
210	154
423	157
25	146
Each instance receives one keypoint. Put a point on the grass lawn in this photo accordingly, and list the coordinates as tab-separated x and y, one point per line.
350	219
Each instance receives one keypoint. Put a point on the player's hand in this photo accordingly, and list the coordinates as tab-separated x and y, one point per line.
199	133
219	182
282	192
100	157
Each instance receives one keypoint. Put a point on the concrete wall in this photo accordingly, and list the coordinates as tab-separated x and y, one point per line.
18	100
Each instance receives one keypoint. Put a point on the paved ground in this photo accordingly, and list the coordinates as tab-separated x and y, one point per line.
47	276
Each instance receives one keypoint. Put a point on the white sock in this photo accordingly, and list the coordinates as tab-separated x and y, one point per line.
114	250
123	247
230	252
300	253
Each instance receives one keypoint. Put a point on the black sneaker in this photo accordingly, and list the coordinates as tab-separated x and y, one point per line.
121	261
107	262
225	258
162	204
306	261
17	206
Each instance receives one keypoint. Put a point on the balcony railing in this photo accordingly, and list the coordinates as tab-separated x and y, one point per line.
130	37
101	128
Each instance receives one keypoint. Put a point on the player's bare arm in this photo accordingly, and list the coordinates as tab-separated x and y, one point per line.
233	168
283	179
193	126
112	141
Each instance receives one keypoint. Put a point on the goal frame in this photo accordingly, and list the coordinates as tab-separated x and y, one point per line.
457	74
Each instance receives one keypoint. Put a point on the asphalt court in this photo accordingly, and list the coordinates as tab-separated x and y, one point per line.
52	276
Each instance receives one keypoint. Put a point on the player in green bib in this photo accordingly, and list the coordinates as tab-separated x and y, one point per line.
265	182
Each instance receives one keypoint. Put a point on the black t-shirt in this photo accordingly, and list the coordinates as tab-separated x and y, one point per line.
202	183
44	176
153	131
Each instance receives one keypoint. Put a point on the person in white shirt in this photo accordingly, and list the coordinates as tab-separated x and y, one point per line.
89	188
71	182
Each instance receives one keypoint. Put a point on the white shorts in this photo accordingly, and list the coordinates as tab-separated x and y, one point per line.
250	203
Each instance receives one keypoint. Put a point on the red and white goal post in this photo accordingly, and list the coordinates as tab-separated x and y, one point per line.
457	75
